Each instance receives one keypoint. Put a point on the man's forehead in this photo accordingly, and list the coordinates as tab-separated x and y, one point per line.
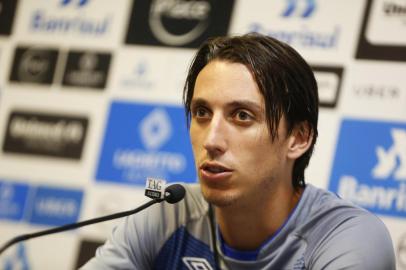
237	102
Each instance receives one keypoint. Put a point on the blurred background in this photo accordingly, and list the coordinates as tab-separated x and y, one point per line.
90	105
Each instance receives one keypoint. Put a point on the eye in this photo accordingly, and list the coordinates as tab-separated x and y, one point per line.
243	116
200	112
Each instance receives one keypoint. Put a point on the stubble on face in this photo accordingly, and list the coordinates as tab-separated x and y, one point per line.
262	187
229	198
242	144
219	198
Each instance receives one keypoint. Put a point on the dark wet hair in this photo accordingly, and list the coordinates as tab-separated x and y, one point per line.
284	79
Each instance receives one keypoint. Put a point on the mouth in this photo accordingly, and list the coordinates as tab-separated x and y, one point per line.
214	168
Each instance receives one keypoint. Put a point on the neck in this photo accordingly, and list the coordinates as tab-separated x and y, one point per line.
247	226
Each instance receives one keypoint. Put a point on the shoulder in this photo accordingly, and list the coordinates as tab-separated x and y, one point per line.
137	240
325	206
193	207
345	235
166	218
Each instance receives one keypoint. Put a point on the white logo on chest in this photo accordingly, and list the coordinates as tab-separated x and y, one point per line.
195	263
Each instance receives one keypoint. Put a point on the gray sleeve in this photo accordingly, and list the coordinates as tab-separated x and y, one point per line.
358	243
135	242
131	245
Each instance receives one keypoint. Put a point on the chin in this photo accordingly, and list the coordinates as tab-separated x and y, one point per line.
219	198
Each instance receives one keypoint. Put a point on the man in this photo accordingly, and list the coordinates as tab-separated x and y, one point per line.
252	105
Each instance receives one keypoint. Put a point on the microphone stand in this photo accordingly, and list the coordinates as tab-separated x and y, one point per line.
77	225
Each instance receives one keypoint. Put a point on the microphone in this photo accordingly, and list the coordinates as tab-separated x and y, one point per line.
173	194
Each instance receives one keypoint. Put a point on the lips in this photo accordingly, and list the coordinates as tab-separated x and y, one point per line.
213	171
214	167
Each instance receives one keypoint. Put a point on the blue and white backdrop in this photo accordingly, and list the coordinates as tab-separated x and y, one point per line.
90	104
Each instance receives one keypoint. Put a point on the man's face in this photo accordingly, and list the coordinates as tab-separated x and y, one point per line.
235	157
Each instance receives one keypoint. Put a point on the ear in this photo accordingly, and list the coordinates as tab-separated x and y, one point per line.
300	140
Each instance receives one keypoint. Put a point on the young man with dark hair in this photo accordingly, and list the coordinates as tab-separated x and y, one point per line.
252	106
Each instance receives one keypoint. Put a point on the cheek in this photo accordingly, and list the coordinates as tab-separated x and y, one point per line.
259	151
195	138
250	153
192	132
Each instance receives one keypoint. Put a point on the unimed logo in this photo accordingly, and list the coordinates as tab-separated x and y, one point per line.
370	166
178	23
45	134
144	141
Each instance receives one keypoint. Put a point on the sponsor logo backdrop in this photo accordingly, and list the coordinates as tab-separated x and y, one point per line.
90	106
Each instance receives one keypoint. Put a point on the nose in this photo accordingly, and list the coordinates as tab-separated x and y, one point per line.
215	138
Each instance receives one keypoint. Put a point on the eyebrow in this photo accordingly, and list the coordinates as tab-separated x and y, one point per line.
233	104
198	102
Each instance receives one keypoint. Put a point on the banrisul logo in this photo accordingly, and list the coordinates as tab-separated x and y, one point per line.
79	3
292	7
298	23
370	166
72	17
146	141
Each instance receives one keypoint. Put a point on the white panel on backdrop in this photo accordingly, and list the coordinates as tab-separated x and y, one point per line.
89	57
103	200
319	168
57	251
327	90
73	22
375	90
386	24
322	31
150	73
383	31
43	168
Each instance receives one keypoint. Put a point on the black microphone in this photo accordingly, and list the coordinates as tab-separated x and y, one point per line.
173	194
